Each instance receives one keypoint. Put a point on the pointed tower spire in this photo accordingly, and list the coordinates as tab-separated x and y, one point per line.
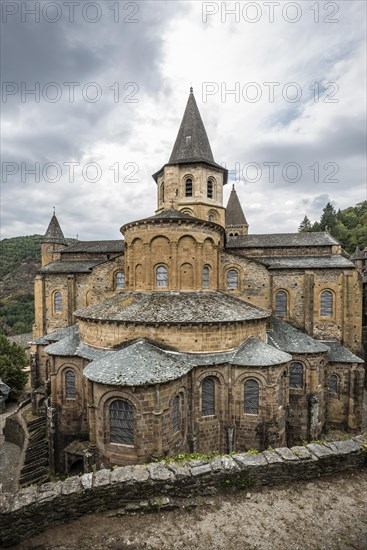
236	223
54	233
192	143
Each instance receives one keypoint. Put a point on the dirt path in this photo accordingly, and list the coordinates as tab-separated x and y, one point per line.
327	514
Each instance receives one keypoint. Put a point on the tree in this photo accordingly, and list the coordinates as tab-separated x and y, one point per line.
328	218
12	360
305	225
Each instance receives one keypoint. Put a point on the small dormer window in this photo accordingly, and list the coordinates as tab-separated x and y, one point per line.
188	188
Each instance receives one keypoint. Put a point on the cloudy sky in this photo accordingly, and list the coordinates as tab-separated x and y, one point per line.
280	86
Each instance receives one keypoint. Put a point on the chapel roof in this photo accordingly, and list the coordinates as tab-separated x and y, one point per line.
281	240
54	233
70	266
287	338
305	262
95	246
340	354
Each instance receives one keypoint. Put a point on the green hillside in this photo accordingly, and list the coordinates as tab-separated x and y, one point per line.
348	226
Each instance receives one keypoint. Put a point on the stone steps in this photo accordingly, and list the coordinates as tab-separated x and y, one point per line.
36	454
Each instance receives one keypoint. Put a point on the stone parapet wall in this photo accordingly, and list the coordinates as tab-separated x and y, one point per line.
157	485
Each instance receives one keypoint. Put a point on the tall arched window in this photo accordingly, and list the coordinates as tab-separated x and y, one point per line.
281	303
333	383
188	188
70	391
161	276
162	192
326	303
205	278
121	422
120	280
58	302
176	414
208	397
296	375
210	189
251	397
232	278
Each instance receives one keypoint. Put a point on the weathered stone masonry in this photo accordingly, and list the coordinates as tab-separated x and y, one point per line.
163	485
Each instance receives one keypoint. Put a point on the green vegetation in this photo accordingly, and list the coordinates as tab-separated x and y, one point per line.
18	314
12	360
348	226
18	250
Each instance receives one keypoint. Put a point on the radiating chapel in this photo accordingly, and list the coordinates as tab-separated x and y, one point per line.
191	334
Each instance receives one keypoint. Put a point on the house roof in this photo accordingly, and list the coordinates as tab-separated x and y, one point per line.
54	233
339	354
287	338
234	212
305	262
173	307
70	266
95	246
281	240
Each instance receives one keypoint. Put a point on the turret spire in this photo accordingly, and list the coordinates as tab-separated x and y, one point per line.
54	233
235	220
192	143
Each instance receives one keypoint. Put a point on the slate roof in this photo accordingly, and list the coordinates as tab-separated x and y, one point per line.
170	214
339	354
234	213
255	353
73	346
305	262
95	246
285	337
136	364
192	143
57	335
281	240
70	266
54	233
173	307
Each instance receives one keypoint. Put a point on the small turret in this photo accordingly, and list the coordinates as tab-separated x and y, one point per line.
52	242
236	223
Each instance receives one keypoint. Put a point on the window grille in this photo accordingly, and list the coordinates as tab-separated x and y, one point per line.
296	375
188	188
120	280
70	391
251	402
208	397
333	383
232	278
121	422
176	416
162	276
205	277
281	303
58	302
326	303
210	189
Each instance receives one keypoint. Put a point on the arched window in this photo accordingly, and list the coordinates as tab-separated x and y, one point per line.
162	192
281	303
205	278
251	397
232	278
326	303
208	397
120	280
121	422
333	383
210	189
70	391
176	414
188	188
296	375
58	302
161	276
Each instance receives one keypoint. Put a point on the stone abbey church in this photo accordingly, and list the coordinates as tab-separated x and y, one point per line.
190	334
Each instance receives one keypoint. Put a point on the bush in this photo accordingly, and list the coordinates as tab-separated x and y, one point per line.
12	360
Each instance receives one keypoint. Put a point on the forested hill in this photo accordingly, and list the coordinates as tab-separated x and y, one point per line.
20	257
348	226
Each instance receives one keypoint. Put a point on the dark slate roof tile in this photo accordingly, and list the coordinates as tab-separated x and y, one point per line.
340	354
281	240
255	353
173	307
234	213
54	233
73	346
70	266
305	262
57	335
287	338
116	246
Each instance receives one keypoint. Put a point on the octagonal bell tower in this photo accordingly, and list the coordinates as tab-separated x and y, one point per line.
192	181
